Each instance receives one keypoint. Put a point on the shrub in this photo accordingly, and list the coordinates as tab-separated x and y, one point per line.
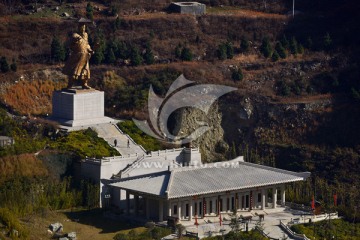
4	66
186	54
237	74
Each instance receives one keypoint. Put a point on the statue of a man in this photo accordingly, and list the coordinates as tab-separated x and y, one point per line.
77	65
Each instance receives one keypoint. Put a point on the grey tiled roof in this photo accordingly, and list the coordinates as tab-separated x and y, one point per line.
153	184
187	181
211	180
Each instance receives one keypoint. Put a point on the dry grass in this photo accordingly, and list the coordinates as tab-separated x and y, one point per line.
32	97
26	165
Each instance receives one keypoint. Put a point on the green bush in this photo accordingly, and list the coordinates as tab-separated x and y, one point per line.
149	143
84	143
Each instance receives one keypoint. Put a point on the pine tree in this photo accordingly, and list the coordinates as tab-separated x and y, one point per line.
265	47
186	54
309	43
4	66
98	57
222	52
135	56
178	51
122	50
237	74
327	42
280	50
89	11
293	46
110	56
13	66
275	56
300	48
117	24
244	45
229	50
284	42
148	56
57	50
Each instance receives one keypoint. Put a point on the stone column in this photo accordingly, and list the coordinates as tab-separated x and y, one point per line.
147	208
283	195
136	200
214	205
179	210
190	209
274	197
263	198
169	208
161	210
127	203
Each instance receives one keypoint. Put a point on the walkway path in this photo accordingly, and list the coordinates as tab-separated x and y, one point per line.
109	132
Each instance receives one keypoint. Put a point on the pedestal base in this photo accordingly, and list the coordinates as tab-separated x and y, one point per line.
76	107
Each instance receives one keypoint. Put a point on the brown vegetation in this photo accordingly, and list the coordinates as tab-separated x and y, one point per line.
24	165
31	97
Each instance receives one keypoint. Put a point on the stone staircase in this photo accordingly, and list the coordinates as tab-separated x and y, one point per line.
109	132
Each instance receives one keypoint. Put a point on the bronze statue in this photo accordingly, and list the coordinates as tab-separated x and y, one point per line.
77	65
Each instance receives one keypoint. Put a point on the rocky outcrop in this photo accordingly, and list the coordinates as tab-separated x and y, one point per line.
213	147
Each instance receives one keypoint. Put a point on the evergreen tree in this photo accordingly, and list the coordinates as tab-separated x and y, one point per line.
237	74
110	56
275	56
117	24
4	66
265	47
13	66
57	50
98	57
280	50
244	45
148	56
222	52
178	51
122	50
135	56
293	46
186	54
309	43
89	11
229	50
284	42
327	41
300	48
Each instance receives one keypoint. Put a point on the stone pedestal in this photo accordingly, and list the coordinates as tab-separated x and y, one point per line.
78	107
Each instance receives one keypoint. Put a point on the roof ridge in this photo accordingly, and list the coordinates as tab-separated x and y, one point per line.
274	169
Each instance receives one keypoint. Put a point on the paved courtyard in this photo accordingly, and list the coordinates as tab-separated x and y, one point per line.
271	223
